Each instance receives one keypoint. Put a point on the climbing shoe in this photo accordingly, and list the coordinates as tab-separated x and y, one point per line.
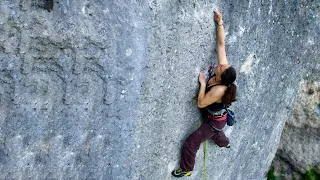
180	173
228	146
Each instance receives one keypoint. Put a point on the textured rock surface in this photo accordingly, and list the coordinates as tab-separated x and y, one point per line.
104	89
299	149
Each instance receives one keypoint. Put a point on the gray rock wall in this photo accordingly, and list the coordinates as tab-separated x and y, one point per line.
105	89
299	149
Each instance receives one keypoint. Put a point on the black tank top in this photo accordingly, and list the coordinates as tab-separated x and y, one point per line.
214	106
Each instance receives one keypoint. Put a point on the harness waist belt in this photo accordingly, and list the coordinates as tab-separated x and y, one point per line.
219	113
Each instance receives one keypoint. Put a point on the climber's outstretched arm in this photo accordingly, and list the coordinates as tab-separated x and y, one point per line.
222	58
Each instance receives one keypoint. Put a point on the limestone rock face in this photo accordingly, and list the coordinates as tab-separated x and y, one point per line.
299	149
105	89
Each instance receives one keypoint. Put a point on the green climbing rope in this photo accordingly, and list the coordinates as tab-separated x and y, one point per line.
204	160
204	154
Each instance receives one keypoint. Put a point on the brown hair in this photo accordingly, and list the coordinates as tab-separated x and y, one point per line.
227	79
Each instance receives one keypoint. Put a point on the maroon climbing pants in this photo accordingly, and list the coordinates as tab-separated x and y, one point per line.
192	143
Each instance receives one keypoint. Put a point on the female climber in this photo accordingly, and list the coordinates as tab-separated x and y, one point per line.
214	95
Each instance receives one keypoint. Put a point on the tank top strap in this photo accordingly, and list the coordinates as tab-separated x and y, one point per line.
209	88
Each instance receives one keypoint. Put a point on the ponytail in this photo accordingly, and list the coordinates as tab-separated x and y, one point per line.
230	95
227	78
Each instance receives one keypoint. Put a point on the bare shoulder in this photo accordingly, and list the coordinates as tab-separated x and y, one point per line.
218	90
